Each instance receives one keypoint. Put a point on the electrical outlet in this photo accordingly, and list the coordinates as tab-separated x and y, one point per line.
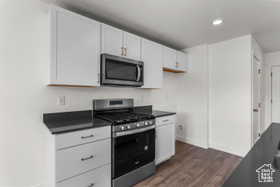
61	100
180	127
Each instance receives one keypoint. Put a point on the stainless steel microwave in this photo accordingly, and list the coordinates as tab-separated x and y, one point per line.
120	71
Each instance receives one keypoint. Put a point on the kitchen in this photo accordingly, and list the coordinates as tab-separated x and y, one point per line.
193	84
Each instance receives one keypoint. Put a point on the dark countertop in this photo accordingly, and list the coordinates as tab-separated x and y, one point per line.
64	122
158	113
245	174
149	110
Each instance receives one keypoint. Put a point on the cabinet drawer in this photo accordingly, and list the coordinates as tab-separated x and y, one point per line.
81	137
79	159
100	177
165	120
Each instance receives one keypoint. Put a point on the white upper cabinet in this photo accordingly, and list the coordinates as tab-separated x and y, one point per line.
169	57
132	46
75	46
112	40
78	41
182	60
120	43
174	61
152	58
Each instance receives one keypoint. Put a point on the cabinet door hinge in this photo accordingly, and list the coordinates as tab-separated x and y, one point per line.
259	71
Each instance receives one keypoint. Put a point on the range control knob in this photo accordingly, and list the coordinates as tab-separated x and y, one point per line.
128	126
138	125
146	123
150	122
122	128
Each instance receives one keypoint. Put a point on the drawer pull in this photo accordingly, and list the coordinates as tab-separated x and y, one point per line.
87	158
166	120
85	137
91	185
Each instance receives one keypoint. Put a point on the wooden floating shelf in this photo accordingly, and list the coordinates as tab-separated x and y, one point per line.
68	85
173	70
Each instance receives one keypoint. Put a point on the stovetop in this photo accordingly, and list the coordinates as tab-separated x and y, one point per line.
118	118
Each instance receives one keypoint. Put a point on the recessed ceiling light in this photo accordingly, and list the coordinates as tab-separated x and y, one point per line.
217	22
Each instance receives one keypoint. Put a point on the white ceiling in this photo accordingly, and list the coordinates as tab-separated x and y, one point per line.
186	23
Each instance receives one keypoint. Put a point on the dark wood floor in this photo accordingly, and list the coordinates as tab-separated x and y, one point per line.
193	167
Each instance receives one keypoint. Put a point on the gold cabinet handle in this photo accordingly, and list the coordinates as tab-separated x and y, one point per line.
125	51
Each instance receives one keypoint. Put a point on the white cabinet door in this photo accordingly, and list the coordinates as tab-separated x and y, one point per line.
112	40
75	49
165	142
165	120
120	43
169	58
76	160
182	60
70	139
152	58
100	177
132	44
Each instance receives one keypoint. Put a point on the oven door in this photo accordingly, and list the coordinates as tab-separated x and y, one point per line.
121	71
132	152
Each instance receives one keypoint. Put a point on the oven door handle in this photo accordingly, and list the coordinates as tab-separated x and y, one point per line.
138	73
118	134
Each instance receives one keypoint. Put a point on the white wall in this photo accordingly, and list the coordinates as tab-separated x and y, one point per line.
188	93
24	96
271	59
230	95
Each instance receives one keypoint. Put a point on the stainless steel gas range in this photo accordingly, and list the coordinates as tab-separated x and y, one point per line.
133	140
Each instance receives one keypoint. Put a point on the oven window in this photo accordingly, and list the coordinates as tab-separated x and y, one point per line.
133	151
120	70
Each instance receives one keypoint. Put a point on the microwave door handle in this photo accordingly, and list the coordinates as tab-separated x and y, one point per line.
138	73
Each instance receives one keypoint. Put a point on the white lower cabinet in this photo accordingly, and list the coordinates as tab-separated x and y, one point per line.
80	159
166	120
165	139
100	177
71	162
63	141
